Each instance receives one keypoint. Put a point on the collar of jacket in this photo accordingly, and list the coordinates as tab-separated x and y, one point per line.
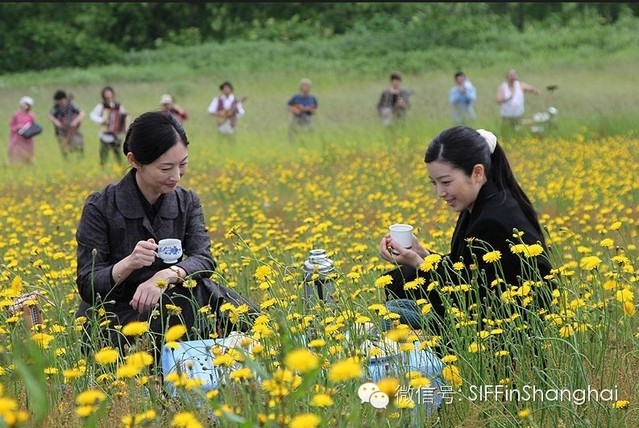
128	202
487	192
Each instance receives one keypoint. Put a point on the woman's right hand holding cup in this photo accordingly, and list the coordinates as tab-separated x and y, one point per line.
143	254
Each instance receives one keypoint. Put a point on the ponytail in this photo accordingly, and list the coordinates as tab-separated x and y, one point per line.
504	178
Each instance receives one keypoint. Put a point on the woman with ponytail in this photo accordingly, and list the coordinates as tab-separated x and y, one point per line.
471	173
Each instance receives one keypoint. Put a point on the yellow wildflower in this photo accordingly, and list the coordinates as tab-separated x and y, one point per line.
185	420
349	368
321	400
301	360
135	328
106	356
589	262
174	333
306	420
492	256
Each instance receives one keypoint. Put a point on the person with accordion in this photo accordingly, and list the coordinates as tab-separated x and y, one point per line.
112	118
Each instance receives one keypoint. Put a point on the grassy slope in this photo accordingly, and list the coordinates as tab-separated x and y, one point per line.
594	68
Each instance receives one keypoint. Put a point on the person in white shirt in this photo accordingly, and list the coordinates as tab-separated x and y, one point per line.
227	109
113	121
510	97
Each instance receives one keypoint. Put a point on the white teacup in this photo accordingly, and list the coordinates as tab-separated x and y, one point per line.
170	250
402	234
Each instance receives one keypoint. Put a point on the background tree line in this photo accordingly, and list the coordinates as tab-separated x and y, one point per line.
39	36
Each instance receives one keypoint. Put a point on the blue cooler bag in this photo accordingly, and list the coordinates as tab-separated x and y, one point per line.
399	363
195	359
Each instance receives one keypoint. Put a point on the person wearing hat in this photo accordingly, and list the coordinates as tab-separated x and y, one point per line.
168	105
21	148
227	109
66	118
394	101
303	107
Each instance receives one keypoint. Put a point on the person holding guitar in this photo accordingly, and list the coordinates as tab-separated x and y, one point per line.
303	106
66	118
227	109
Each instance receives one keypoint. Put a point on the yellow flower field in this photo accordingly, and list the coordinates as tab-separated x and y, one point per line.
264	218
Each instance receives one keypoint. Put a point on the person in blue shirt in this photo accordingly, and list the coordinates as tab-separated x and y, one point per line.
462	98
303	107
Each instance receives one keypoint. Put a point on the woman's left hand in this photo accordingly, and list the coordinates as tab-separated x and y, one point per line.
148	293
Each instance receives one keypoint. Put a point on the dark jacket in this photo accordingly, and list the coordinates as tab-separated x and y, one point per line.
389	100
113	221
493	219
494	215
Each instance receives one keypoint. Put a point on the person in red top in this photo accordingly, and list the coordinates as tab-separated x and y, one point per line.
21	149
168	105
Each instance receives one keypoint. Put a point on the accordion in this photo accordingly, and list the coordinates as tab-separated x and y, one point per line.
114	121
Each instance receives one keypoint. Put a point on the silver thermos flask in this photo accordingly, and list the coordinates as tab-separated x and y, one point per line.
318	284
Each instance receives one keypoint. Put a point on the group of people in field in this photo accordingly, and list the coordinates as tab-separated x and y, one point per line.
113	119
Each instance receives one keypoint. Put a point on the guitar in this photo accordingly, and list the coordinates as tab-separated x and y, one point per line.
222	116
297	109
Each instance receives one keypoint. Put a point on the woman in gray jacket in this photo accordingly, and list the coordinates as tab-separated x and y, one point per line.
119	276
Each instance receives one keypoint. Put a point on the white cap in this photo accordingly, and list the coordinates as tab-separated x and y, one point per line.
26	100
166	99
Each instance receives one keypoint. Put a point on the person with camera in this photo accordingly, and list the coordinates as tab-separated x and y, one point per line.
462	99
394	101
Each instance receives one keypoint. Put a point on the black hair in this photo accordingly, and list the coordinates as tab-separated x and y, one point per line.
396	75
151	134
106	88
59	95
459	73
464	147
227	83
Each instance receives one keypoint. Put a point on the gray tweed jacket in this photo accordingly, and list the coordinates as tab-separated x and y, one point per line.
113	221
